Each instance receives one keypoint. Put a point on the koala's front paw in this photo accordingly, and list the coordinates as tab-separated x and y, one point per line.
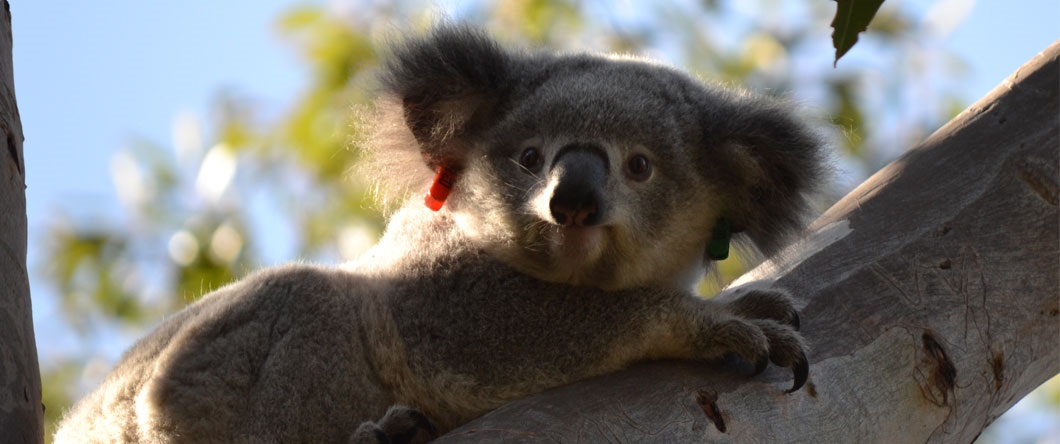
771	304
765	328
400	425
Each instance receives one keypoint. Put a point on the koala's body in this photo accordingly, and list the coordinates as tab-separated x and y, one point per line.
587	193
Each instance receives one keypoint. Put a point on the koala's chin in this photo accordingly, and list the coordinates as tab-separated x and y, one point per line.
571	254
574	253
575	245
607	256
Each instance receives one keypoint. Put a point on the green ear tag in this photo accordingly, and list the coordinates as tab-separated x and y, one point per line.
718	247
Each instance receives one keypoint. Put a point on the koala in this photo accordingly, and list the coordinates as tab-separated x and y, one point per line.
576	200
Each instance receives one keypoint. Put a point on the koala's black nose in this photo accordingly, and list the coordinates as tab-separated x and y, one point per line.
581	174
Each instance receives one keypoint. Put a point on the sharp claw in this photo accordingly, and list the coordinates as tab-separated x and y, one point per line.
802	372
795	320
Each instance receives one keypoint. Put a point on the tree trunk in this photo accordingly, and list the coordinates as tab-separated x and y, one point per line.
20	400
929	296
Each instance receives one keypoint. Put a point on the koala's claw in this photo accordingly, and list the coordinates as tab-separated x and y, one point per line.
795	323
801	370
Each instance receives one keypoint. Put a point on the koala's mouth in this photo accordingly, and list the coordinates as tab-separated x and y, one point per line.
576	246
568	254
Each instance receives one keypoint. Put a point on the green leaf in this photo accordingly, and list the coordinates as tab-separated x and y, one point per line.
851	18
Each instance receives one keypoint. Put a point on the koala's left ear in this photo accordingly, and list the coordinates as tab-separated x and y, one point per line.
450	83
773	163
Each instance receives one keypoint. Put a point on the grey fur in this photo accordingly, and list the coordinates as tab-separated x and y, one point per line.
493	298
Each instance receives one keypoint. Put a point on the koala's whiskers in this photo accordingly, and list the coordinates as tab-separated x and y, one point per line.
537	232
524	169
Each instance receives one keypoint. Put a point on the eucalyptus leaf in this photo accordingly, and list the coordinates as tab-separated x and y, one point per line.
851	18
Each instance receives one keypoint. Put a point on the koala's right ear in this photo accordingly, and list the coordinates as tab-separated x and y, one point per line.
450	84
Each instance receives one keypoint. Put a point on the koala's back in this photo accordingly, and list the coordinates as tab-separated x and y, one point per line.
280	356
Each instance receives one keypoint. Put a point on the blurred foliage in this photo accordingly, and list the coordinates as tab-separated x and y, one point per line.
202	212
54	392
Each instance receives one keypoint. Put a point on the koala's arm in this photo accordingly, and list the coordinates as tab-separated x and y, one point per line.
485	348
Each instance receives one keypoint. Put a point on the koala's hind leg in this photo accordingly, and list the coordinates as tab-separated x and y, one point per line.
400	425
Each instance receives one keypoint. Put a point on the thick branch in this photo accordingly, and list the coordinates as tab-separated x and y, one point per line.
20	388
928	296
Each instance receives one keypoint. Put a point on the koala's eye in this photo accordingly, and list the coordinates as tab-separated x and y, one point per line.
531	159
639	168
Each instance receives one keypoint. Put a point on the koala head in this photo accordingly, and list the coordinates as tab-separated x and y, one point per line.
588	169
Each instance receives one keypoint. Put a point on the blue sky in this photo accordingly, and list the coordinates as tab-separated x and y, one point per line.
92	76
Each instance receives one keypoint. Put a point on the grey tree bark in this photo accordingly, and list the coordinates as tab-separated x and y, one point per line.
930	296
21	410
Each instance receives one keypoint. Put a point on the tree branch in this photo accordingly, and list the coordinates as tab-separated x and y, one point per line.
20	388
929	297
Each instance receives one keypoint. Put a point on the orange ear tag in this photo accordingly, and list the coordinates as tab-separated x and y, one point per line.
443	184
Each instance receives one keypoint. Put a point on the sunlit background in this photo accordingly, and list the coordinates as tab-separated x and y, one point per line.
174	146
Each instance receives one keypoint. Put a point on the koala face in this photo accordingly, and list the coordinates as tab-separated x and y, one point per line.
595	170
575	185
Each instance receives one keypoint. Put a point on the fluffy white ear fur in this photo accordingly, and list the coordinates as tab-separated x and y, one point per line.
391	156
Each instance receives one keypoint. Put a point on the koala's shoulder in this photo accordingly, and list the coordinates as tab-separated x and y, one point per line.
294	279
